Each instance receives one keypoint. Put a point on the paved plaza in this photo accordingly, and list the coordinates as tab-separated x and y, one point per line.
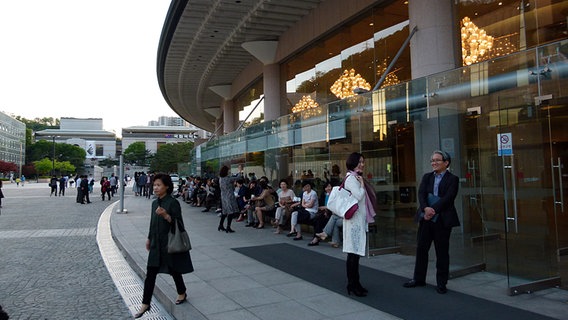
52	267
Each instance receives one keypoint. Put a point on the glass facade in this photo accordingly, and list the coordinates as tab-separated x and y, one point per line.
501	116
511	195
365	46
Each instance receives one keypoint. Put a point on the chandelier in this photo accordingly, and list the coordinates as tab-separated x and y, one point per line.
391	79
349	81
304	104
475	42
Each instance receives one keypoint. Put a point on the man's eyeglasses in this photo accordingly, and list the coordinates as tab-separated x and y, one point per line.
436	160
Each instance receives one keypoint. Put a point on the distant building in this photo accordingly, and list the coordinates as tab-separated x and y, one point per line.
86	133
155	136
12	141
164	121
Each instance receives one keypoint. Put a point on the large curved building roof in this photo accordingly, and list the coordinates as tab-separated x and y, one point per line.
200	47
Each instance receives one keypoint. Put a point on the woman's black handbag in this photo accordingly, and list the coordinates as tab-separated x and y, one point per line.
178	240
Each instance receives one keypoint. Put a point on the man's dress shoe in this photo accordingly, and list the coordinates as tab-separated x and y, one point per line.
413	283
441	289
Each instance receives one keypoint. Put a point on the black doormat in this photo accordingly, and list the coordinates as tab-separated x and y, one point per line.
385	290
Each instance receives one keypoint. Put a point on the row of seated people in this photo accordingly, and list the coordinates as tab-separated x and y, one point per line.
259	203
200	192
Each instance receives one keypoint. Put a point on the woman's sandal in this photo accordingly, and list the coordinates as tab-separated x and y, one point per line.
321	235
180	301
314	242
140	313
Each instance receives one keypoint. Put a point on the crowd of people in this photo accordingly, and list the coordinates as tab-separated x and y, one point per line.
256	202
84	185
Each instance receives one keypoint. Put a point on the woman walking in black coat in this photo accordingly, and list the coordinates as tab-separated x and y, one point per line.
165	209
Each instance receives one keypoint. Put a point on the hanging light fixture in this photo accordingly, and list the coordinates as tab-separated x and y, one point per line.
349	81
475	42
304	104
391	79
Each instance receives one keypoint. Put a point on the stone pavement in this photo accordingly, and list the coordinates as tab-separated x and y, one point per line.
228	285
51	268
50	264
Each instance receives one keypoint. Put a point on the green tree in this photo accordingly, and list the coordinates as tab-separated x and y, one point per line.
39	150
169	155
46	165
136	154
38	124
64	167
75	155
43	166
63	152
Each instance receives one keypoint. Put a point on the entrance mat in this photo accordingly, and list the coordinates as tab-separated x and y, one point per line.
386	292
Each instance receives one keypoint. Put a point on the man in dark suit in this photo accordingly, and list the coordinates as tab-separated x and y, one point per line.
436	216
84	189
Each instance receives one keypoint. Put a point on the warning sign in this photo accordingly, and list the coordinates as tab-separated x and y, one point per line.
504	144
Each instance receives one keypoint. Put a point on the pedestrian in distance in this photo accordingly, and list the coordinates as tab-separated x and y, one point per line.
355	228
105	188
436	217
165	210
53	184
1	193
62	186
85	190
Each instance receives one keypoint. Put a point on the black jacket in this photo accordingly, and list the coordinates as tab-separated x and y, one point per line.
447	191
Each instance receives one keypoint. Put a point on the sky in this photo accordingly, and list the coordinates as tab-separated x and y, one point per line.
82	59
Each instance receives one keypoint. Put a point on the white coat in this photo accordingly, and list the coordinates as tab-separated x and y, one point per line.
355	229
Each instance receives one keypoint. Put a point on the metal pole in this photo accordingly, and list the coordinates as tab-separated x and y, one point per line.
385	74
53	160
122	186
21	159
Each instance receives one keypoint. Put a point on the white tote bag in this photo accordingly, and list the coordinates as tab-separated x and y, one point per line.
342	203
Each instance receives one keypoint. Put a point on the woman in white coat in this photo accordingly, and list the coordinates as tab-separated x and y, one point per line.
355	229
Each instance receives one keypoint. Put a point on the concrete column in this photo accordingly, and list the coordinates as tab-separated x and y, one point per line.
435	47
229	123
271	83
265	52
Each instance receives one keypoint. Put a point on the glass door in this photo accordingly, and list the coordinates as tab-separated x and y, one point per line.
518	193
556	204
512	188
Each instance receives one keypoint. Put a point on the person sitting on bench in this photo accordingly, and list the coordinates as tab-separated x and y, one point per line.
305	212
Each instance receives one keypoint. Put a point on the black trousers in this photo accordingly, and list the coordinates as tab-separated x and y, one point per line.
352	266
320	221
79	195
150	283
429	232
